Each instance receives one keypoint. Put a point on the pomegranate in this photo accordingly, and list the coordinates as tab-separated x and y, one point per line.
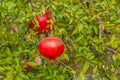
28	68
51	47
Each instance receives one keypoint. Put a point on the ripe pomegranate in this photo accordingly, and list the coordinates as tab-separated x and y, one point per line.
51	47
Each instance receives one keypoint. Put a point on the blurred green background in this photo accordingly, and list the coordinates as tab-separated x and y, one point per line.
89	28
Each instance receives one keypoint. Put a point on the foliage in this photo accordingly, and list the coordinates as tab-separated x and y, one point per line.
89	28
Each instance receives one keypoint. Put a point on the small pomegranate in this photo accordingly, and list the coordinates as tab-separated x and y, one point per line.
28	68
115	49
51	47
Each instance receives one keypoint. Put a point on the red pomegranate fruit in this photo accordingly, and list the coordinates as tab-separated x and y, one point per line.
51	47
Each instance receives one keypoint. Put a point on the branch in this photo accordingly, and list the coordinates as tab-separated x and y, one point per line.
110	49
100	28
71	69
61	62
27	31
100	31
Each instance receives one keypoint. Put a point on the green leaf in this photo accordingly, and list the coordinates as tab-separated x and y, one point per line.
53	6
22	75
112	38
55	73
62	77
71	20
33	64
111	42
48	78
79	38
8	51
95	70
76	30
18	67
80	26
64	70
65	56
62	30
84	70
10	76
95	29
40	74
19	78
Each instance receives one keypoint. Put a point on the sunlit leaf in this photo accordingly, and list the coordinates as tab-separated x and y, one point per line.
33	64
85	68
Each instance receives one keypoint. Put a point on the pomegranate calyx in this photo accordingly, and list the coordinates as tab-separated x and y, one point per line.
51	60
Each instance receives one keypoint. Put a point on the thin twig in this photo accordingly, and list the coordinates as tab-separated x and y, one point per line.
61	62
100	31
31	1
27	31
100	28
110	49
71	69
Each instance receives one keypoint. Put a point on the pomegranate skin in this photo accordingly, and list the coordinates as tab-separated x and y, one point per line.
51	47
